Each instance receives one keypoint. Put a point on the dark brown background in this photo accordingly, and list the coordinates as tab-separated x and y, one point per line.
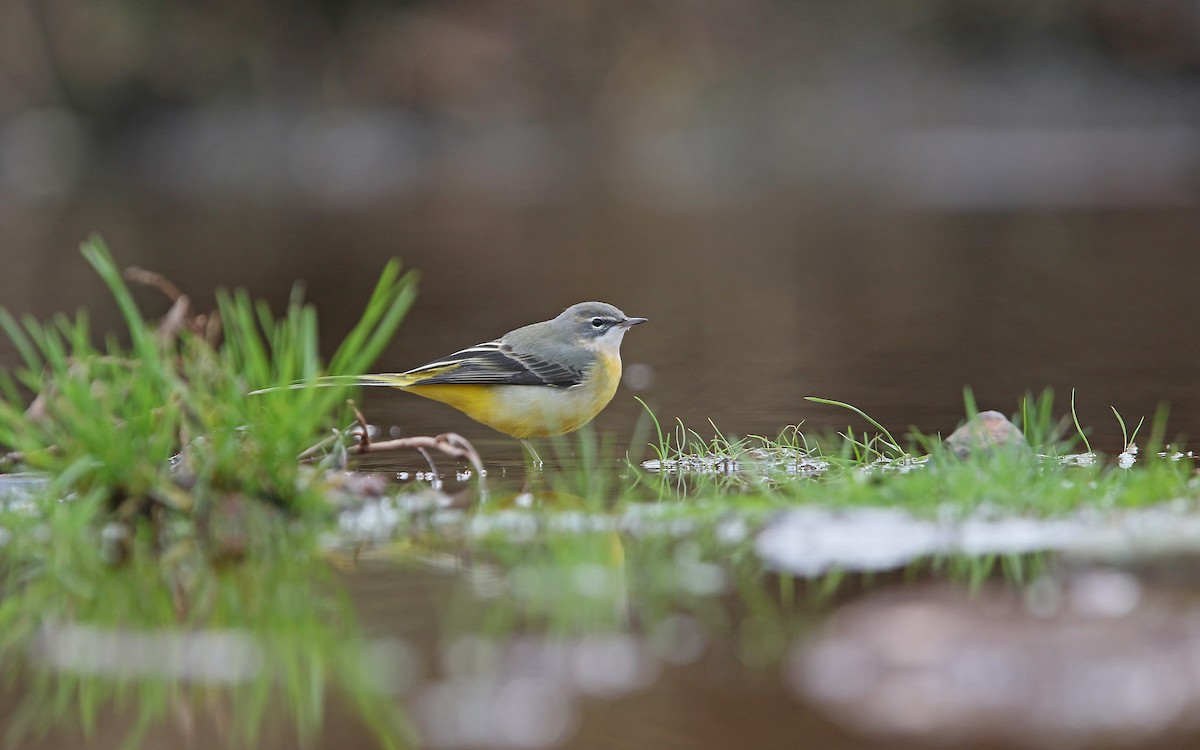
874	202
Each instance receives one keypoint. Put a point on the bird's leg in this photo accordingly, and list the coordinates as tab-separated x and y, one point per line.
534	464
534	458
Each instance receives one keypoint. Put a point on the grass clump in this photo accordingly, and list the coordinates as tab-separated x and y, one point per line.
686	462
1037	474
108	419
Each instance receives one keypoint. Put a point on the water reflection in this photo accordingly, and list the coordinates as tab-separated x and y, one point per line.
525	691
531	623
516	713
812	541
1068	662
506	627
556	613
136	633
212	657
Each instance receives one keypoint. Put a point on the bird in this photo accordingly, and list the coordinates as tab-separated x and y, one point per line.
541	380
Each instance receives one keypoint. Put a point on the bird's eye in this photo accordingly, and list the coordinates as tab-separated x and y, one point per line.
597	322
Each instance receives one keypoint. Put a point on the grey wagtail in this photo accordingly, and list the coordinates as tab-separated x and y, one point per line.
540	380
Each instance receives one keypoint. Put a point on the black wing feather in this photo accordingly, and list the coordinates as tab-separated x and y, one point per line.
496	363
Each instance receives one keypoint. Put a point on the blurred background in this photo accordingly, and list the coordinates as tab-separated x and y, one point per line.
878	202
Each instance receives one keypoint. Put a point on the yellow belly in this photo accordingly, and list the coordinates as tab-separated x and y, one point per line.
529	411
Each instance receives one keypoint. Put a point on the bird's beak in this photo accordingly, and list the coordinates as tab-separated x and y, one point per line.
628	322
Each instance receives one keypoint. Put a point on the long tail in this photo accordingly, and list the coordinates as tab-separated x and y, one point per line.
390	380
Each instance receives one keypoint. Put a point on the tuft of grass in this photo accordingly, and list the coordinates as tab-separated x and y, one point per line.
863	469
110	418
1127	440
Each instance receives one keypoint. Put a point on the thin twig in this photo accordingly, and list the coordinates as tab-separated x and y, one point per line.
466	450
181	316
178	318
156	280
449	443
433	470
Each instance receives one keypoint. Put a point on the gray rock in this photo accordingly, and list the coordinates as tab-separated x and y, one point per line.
984	433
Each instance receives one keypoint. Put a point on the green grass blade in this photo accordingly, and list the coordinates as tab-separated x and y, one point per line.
1078	427
830	402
